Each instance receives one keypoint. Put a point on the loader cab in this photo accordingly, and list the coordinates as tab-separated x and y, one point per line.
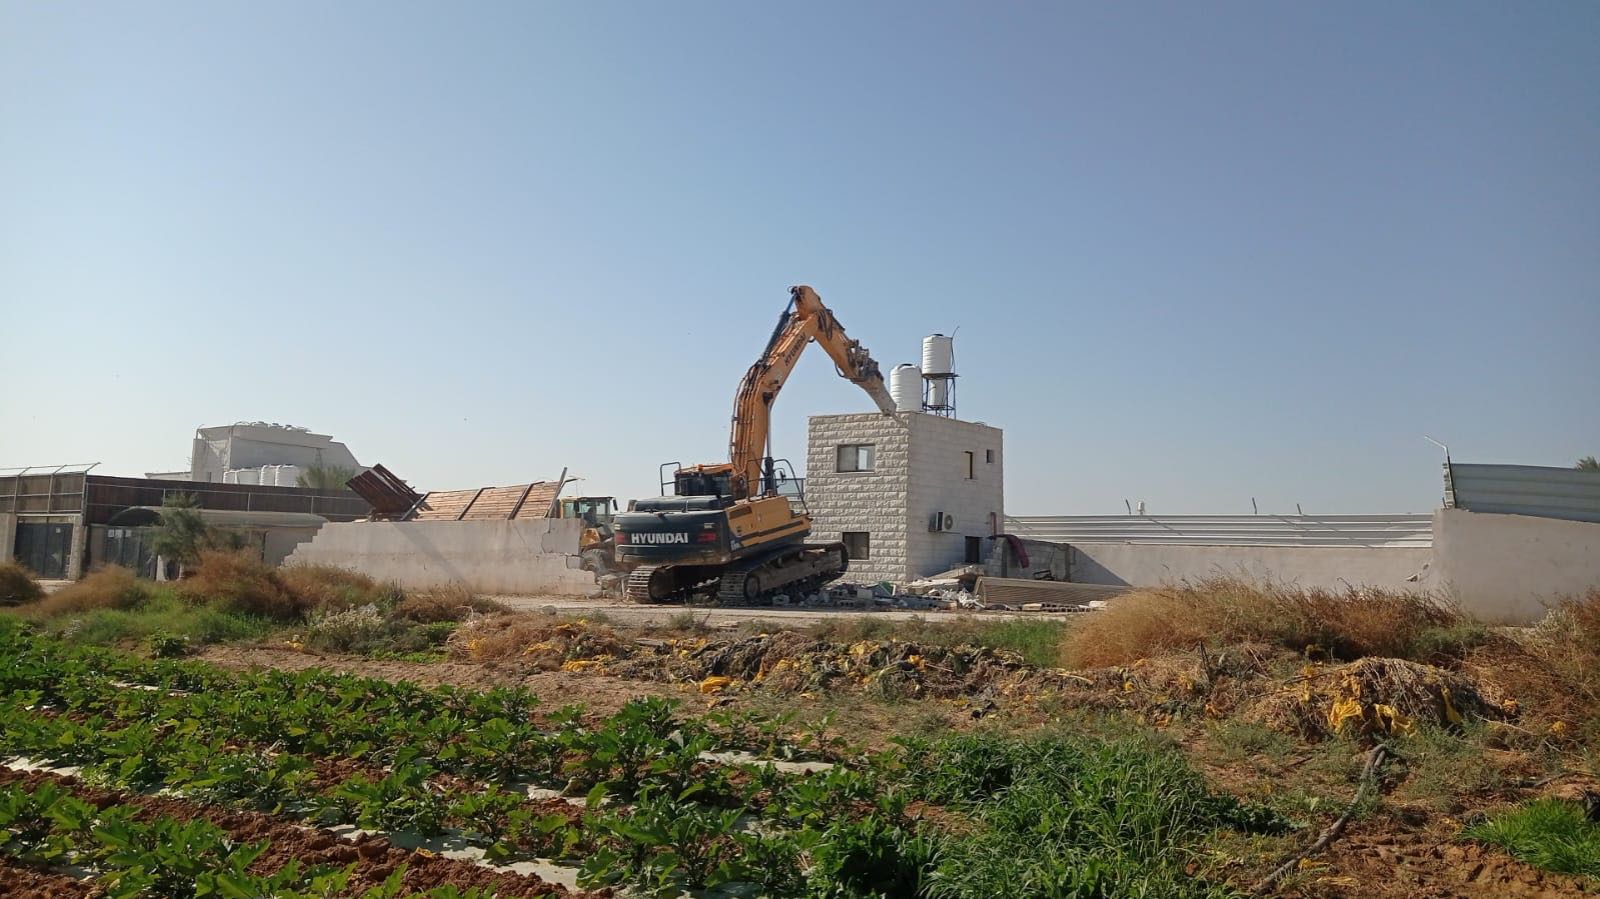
596	511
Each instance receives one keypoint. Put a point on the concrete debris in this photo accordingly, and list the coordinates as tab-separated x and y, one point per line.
964	577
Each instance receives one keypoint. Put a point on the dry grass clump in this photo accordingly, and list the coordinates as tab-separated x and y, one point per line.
536	640
1553	668
451	603
111	587
17	585
239	583
1346	624
331	588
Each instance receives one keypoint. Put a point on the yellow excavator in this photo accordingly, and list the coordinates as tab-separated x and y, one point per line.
732	528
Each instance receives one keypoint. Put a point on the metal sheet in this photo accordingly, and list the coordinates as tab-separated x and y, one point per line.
387	494
1545	492
1230	530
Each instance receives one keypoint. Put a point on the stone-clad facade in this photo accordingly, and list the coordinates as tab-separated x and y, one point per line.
919	467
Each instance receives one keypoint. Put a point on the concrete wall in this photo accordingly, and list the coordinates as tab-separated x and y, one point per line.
1329	567
1509	568
532	556
939	483
872	501
8	536
1046	561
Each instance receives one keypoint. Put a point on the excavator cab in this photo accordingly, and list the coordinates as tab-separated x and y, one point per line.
699	480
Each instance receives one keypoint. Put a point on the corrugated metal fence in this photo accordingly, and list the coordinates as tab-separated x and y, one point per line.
1569	493
1230	530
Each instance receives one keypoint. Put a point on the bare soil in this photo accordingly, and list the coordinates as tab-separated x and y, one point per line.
375	858
1383	859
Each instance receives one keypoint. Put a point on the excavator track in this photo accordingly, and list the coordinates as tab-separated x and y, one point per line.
637	587
755	582
650	584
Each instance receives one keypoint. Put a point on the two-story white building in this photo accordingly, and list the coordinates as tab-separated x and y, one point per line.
909	495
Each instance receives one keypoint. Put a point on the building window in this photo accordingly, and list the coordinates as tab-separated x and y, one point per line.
857	545
971	457
974	550
855	457
988	456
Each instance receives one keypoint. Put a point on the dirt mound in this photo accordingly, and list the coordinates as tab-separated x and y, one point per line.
1376	697
795	663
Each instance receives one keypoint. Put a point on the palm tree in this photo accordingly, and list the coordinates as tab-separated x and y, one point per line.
1588	463
326	477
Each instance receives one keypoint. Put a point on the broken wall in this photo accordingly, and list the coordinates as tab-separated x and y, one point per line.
535	556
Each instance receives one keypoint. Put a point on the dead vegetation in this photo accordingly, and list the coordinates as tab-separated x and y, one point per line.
1346	625
1553	670
17	585
440	604
239	583
111	587
331	588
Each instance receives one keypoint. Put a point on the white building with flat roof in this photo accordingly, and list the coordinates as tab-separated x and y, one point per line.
256	444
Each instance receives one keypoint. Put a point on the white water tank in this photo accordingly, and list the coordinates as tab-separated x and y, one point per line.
905	387
938	393
242	476
288	476
938	355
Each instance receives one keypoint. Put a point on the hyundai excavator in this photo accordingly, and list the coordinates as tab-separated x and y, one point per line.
728	529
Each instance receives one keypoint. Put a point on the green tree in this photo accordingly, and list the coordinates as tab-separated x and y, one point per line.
326	477
182	533
1588	463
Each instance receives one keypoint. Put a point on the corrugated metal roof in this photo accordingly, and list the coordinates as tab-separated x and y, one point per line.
1569	493
1229	530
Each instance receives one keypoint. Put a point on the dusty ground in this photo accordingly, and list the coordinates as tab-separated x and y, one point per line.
628	613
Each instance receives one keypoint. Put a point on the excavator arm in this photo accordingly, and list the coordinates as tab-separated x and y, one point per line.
805	320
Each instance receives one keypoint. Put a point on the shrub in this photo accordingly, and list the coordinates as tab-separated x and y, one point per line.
17	585
167	646
111	587
348	629
1348	624
451	603
330	588
238	583
164	612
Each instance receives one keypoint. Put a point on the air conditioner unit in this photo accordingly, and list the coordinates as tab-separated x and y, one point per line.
942	521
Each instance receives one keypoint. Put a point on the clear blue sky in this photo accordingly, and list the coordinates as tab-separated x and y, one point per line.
1197	253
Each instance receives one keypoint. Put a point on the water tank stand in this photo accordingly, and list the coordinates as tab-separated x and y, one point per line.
939	394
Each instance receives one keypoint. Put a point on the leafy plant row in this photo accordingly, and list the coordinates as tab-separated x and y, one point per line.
49	828
1061	816
491	734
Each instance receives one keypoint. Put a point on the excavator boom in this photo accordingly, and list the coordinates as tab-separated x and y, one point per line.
726	531
804	321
